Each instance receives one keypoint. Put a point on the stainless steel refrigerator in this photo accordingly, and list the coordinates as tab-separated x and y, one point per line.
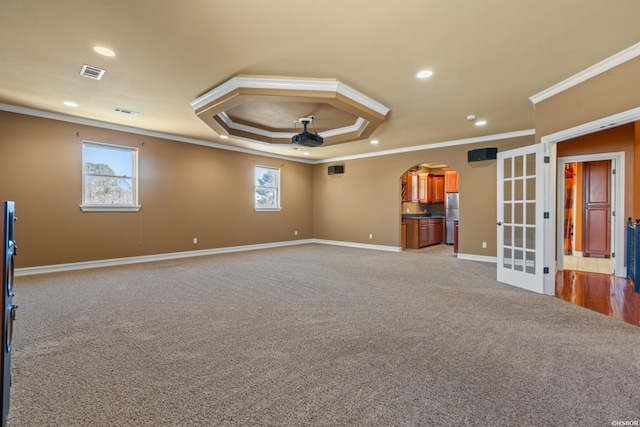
451	214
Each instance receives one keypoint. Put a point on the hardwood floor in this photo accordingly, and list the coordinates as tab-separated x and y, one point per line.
604	293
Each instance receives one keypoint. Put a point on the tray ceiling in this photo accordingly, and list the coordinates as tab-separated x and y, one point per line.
487	57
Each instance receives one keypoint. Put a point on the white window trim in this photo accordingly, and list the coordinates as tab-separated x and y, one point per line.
278	208
134	207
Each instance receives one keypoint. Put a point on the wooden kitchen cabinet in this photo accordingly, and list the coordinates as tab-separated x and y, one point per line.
403	235
437	188
436	232
424	232
409	190
407	187
450	182
424	188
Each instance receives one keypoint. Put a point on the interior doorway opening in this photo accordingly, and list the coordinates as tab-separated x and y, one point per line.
590	203
429	206
587	213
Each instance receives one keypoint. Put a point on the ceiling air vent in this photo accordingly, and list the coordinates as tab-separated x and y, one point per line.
91	72
127	112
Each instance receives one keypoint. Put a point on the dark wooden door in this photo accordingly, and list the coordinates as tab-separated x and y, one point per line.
596	230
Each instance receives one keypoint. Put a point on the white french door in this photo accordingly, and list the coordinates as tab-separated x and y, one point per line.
520	219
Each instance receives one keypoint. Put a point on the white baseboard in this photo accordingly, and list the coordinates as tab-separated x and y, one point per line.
358	245
188	254
150	258
482	258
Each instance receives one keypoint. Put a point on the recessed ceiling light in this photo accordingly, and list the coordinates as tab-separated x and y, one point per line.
481	123
375	142
224	136
424	74
70	104
104	51
471	117
306	153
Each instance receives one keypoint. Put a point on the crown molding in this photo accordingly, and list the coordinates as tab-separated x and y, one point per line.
603	123
138	131
356	127
287	83
475	140
130	129
599	68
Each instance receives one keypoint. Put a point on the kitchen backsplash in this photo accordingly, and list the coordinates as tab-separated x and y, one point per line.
419	208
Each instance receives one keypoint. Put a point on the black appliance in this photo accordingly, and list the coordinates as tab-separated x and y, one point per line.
9	250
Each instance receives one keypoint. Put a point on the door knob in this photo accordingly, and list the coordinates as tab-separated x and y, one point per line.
499	223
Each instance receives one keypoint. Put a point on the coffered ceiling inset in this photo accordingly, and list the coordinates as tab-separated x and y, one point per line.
267	109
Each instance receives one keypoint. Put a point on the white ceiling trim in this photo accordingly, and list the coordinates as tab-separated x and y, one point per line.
619	119
599	68
465	141
356	127
250	129
288	84
138	131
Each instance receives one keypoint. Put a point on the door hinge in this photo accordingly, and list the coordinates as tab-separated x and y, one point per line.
547	159
613	213
613	171
545	270
546	215
613	254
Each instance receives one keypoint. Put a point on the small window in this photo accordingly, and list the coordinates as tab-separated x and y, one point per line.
109	177
267	189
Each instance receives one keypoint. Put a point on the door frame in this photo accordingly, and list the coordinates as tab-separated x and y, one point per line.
617	206
551	140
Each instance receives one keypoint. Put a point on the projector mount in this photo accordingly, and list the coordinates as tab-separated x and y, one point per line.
305	137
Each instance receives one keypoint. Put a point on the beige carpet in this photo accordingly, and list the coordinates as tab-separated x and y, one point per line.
313	335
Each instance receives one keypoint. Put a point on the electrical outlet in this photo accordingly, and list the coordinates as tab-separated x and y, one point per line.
407	210
484	245
195	240
295	233
371	236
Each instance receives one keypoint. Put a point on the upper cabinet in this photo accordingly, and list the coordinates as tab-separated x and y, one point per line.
437	189
424	188
450	181
409	187
430	188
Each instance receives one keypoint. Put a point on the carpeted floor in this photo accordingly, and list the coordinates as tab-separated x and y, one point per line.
313	335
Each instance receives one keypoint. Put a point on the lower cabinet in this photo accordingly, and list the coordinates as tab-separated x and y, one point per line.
424	232
436	232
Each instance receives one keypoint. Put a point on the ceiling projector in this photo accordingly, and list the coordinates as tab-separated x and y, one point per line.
307	138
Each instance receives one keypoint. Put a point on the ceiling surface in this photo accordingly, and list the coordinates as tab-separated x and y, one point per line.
487	56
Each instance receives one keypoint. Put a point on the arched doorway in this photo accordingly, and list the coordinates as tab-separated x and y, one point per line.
429	206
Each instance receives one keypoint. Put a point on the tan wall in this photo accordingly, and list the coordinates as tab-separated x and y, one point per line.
366	198
620	138
612	92
636	173
186	191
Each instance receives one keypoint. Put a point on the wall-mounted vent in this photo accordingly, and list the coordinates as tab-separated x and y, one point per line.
91	72
127	112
